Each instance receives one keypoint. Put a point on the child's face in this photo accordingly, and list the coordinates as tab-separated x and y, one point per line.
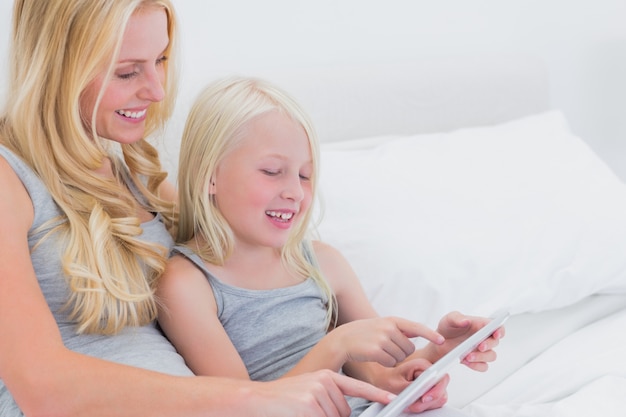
137	81
263	186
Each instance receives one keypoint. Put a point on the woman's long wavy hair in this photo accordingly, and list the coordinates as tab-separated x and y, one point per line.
58	48
213	129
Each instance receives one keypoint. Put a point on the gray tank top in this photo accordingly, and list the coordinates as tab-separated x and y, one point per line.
271	329
143	347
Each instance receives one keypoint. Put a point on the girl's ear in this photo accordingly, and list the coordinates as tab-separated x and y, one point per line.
212	187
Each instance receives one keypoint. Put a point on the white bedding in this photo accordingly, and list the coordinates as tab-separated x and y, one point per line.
520	215
529	335
582	375
605	396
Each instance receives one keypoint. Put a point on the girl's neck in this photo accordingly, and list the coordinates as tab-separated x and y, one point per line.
260	269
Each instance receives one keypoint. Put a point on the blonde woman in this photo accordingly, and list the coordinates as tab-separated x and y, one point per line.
247	294
84	219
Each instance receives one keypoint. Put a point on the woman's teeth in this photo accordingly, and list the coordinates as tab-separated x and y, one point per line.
132	114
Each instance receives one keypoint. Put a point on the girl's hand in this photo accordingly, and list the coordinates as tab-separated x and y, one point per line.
399	377
382	340
456	327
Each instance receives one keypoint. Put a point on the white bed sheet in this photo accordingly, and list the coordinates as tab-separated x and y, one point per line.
605	396
560	363
436	271
528	336
583	374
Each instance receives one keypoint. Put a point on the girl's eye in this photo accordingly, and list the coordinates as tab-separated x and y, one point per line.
305	177
270	172
161	60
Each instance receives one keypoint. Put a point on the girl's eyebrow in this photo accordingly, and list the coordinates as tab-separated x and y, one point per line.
281	157
275	155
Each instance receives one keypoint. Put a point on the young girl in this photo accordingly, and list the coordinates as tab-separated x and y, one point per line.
247	295
84	218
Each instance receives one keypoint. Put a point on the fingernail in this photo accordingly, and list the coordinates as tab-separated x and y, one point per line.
427	399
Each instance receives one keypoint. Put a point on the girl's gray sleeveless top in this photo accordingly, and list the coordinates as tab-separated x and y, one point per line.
271	329
143	347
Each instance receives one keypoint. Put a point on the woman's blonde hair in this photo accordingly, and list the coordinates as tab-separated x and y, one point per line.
213	129
58	48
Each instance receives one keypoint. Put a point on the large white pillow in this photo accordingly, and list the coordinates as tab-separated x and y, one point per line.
521	215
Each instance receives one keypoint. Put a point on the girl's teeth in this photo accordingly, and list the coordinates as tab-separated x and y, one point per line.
283	216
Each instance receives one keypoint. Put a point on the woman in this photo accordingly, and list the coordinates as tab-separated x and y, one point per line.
84	219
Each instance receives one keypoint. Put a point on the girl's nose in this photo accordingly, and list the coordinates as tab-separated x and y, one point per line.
293	190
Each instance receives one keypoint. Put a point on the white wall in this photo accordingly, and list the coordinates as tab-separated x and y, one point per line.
583	43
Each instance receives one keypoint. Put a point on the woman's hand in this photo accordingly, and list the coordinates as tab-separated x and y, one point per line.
316	394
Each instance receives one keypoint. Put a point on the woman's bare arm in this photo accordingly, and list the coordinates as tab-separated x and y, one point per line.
47	379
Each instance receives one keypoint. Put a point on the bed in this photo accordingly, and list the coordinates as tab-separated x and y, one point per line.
451	184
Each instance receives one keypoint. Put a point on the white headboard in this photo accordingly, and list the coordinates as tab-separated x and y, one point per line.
431	95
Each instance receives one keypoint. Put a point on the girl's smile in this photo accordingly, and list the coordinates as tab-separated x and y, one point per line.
281	219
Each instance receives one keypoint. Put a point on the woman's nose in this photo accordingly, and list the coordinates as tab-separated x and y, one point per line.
153	89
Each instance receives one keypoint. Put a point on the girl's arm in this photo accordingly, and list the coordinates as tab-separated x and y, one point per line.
46	379
354	306
188	316
361	336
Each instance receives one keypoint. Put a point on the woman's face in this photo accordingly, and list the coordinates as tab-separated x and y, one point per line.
137	80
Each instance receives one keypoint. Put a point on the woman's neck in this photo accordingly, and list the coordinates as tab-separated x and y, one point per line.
106	169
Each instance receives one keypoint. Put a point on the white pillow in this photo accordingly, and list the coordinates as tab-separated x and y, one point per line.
521	215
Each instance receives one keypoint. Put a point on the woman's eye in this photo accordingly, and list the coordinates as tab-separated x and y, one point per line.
126	72
127	75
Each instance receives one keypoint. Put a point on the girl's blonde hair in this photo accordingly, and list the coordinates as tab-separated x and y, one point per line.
58	48
213	129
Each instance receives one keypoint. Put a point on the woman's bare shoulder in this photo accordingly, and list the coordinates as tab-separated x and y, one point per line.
16	207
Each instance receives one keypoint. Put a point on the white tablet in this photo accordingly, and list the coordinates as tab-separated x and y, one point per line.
434	373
